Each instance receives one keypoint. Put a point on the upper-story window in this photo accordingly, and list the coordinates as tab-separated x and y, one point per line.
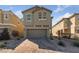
45	25
44	15
29	16
40	15
38	25
6	16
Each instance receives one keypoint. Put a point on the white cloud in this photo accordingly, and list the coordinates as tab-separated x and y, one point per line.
9	8
19	14
60	8
66	15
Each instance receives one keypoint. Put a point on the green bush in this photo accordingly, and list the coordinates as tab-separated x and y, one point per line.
5	42
5	34
51	36
2	46
75	38
76	44
15	33
18	38
61	43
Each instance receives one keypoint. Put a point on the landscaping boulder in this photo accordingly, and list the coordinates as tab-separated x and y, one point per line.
27	46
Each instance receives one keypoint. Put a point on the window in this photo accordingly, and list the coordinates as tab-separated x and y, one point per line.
29	17
77	31
29	25
39	15
38	25
18	22
44	15
6	16
45	25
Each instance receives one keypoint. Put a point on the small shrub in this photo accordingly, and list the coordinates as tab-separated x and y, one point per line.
18	38
75	38
76	44
61	43
2	46
51	37
5	42
15	33
5	34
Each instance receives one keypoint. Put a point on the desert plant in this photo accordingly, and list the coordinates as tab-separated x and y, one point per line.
61	43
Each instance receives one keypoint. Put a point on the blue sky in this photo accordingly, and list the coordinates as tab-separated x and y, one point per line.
58	11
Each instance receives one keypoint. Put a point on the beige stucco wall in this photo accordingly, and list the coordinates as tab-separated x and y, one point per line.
0	16
57	27
76	25
16	21
12	20
6	20
35	21
72	26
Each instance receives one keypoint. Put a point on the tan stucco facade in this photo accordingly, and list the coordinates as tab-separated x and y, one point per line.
68	27
9	20
38	24
57	27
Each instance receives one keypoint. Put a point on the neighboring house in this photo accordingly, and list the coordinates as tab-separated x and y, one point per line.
38	22
62	28
9	20
67	27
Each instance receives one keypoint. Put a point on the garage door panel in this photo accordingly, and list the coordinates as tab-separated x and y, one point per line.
36	33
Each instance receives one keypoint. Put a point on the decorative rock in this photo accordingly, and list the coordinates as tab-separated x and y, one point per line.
26	46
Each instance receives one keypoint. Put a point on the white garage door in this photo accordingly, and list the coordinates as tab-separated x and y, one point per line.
36	33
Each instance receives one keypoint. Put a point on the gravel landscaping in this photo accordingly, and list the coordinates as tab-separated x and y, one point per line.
39	46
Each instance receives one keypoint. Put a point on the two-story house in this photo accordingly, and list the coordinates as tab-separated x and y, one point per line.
62	28
9	20
38	22
68	27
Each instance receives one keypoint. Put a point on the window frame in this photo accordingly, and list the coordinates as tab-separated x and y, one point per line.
6	16
28	18
42	15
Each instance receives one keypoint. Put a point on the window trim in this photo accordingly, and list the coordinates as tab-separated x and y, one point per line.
6	17
39	15
45	25
30	18
38	25
43	16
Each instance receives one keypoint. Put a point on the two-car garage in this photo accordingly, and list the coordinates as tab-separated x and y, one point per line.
37	33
